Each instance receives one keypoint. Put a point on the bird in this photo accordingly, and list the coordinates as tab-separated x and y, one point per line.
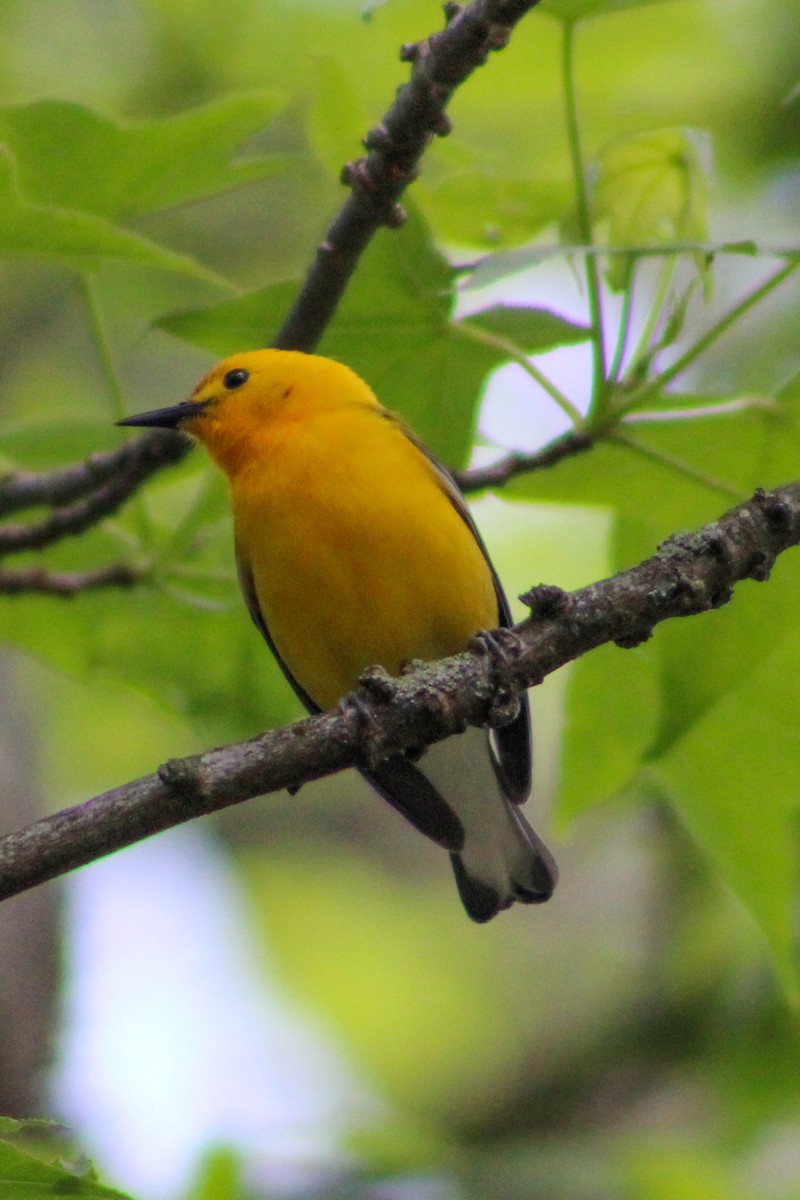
355	548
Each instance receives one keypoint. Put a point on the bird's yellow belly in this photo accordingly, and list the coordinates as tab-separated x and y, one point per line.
350	572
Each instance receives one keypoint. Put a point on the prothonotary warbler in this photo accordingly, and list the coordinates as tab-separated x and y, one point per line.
355	548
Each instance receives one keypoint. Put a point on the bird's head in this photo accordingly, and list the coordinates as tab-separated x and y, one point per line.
246	397
243	385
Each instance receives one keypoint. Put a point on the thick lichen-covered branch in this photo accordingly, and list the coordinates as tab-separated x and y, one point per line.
688	575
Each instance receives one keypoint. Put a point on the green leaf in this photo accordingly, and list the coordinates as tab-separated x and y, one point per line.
395	329
337	118
653	187
612	715
579	10
26	1175
753	446
733	778
730	644
125	169
686	470
653	1170
206	664
478	207
532	329
185	639
77	239
248	321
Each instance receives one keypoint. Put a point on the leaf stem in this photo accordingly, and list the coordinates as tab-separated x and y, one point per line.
113	385
677	464
665	277
103	347
497	342
726	322
584	219
624	326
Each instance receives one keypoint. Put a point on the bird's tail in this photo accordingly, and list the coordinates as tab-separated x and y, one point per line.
502	859
523	869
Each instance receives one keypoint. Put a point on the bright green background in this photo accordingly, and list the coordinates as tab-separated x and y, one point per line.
162	186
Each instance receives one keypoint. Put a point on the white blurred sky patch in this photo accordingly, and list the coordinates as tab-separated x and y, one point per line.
174	1040
516	413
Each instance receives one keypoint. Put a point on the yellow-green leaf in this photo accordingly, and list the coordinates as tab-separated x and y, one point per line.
76	239
125	169
653	187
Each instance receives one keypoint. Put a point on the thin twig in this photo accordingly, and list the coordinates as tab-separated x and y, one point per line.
135	460
68	583
102	501
593	289
475	479
690	574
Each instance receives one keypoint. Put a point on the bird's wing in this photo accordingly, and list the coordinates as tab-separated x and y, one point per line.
248	585
396	779
512	742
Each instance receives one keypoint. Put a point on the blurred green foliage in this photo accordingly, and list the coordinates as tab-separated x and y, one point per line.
162	187
32	1163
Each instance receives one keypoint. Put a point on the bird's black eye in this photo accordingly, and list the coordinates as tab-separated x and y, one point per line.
236	378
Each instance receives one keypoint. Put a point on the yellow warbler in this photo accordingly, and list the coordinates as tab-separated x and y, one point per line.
355	548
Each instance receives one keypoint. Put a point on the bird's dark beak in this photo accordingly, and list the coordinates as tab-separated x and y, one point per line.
167	418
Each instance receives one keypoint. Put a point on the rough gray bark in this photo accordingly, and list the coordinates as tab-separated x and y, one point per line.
690	574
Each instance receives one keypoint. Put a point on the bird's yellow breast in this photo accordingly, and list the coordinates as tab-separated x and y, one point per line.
358	556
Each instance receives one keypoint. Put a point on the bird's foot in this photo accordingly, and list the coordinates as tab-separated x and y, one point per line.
502	647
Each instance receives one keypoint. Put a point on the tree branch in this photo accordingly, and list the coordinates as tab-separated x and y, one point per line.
690	574
574	441
67	583
94	489
441	63
135	460
82	494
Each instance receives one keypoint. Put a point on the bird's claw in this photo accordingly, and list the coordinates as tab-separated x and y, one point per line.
502	647
355	703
